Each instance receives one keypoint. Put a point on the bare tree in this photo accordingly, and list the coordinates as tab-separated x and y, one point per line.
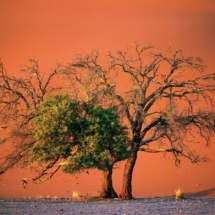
20	97
167	101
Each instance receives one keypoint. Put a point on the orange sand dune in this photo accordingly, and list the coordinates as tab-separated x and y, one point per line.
54	31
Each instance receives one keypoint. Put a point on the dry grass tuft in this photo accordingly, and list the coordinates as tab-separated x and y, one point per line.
76	195
179	194
87	198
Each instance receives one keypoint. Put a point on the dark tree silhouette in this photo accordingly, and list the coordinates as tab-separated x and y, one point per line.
165	99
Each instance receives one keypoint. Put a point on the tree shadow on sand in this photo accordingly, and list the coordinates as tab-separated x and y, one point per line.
202	193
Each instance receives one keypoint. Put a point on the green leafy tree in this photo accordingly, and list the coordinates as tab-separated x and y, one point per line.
83	135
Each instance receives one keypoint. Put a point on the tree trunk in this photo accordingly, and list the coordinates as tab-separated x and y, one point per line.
107	185
126	192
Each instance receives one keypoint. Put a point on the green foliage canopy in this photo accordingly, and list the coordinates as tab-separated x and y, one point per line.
103	141
62	125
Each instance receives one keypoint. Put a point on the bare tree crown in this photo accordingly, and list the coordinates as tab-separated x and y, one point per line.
165	98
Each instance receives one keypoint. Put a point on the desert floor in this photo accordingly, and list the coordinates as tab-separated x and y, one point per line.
152	205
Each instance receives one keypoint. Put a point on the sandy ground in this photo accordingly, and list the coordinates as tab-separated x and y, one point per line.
159	205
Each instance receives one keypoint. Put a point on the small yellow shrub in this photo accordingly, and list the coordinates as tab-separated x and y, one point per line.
75	194
179	194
